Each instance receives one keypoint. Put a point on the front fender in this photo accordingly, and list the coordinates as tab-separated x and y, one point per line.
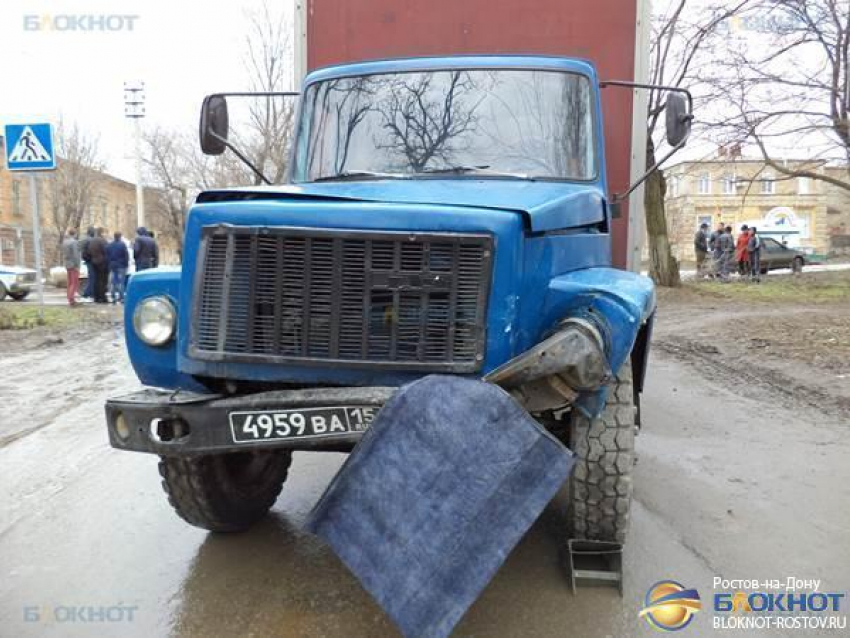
619	303
155	366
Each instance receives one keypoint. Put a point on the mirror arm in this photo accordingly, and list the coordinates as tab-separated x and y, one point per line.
659	87
230	146
619	197
242	157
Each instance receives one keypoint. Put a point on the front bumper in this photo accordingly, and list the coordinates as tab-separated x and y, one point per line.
186	423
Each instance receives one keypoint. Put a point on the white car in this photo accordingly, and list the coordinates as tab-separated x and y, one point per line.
59	275
17	282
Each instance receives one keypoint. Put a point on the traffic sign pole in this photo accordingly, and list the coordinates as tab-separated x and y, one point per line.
36	240
29	147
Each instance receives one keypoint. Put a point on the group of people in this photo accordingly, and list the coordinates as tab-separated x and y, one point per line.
107	263
727	251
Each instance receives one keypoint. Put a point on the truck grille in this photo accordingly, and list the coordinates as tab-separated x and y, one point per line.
296	295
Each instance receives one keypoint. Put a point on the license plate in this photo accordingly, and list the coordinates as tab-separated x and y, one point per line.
304	423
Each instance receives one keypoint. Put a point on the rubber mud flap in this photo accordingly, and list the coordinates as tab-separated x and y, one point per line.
444	484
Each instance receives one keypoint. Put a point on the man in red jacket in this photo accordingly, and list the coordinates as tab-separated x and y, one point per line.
741	254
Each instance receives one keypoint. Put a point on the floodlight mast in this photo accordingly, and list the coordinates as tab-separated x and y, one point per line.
134	109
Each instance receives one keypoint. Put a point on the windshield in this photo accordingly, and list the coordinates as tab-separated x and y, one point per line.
524	124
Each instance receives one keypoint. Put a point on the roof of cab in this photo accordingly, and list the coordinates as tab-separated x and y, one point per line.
404	65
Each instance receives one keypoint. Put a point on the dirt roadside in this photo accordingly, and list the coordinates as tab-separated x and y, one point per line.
61	325
787	339
48	369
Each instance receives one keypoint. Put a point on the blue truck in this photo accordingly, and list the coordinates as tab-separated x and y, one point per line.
442	215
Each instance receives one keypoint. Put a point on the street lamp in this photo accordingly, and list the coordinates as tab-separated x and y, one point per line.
134	108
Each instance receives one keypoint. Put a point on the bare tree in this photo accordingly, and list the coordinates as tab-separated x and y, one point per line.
72	187
169	171
684	38
176	172
268	57
177	169
787	88
426	123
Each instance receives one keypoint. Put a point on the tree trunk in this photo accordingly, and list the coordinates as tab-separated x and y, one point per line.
663	267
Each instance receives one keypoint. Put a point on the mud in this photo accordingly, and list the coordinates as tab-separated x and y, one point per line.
792	351
738	477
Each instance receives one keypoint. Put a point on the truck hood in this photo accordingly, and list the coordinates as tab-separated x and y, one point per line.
545	205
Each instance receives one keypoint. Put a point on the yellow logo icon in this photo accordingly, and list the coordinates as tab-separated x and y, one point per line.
740	602
669	606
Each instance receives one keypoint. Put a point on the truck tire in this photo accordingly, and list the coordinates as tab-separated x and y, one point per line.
601	483
18	296
224	492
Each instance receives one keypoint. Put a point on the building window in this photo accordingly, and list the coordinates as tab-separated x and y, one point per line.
705	184
803	186
673	186
768	185
16	197
729	184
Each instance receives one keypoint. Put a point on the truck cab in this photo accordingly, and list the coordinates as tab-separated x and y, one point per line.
442	215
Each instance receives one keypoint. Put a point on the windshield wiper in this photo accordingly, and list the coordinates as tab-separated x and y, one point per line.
477	170
358	174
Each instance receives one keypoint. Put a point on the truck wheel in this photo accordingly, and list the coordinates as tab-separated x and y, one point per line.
224	492
601	483
18	296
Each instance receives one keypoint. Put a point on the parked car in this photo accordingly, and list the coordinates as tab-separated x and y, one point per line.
775	256
59	275
16	281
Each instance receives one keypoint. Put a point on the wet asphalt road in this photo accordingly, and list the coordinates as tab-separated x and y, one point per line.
725	486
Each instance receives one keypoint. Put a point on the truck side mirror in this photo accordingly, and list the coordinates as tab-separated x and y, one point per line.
679	107
214	125
679	119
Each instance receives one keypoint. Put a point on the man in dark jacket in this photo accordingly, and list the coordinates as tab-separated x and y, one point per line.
701	248
145	250
84	244
714	247
119	260
99	266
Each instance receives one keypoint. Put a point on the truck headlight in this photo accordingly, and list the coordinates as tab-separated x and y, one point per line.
20	279
154	320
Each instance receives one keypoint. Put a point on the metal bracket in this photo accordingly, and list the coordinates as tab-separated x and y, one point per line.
596	561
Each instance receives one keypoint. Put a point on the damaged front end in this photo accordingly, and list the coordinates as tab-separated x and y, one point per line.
607	322
551	375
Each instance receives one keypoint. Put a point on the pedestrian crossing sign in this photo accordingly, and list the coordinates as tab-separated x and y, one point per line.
29	147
